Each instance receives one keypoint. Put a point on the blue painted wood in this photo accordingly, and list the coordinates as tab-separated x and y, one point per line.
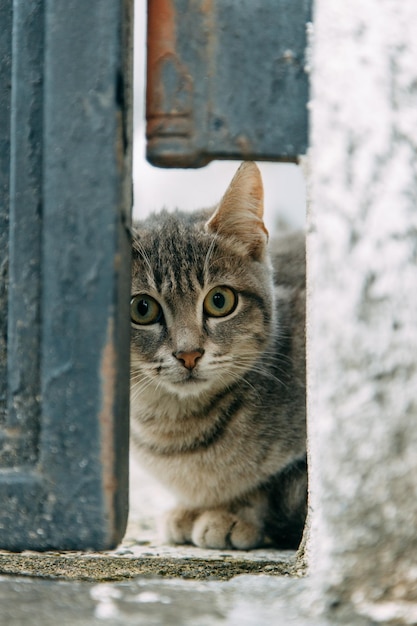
24	286
5	105
226	80
64	430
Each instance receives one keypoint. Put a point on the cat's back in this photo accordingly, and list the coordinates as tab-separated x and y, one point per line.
288	257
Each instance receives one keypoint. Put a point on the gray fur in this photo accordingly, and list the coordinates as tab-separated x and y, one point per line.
228	436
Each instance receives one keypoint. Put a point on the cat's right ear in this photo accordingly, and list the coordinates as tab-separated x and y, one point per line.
240	211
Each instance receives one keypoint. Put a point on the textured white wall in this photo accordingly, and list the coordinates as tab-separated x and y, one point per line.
363	305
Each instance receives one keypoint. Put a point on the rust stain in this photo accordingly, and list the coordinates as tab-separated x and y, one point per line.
169	90
106	421
161	43
206	6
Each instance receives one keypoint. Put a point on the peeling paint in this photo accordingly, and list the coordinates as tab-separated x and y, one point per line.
106	424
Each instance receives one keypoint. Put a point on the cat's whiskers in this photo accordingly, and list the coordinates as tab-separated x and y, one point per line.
275	359
143	254
280	365
141	382
254	367
143	371
228	366
237	378
136	374
207	259
136	392
235	364
140	387
221	361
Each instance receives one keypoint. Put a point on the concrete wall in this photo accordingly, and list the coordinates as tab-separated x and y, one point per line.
363	306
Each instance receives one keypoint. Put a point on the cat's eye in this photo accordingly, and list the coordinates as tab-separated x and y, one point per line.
144	310
220	301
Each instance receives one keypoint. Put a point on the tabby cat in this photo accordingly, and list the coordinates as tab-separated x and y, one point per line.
218	370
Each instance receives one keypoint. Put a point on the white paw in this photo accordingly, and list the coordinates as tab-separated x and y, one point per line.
178	525
221	529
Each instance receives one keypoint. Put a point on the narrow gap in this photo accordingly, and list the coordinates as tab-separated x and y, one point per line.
154	189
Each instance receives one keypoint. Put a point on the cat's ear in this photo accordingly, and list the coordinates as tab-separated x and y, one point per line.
240	211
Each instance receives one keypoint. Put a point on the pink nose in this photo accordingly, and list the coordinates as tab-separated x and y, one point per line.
189	359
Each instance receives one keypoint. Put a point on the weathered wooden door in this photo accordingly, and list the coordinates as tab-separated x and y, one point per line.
65	197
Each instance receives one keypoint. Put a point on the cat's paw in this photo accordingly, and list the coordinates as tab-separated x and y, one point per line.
178	525
221	529
217	528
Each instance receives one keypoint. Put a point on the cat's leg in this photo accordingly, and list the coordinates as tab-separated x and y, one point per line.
287	510
239	525
178	525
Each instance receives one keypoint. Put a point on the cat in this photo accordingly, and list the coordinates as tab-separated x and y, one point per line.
218	370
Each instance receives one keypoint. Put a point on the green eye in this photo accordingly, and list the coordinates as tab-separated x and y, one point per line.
144	310
220	301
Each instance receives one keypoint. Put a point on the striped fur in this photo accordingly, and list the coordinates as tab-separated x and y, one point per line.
227	436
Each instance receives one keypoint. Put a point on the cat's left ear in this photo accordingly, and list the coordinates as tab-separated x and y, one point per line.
240	211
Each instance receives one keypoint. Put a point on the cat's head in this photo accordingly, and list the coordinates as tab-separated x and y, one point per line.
202	303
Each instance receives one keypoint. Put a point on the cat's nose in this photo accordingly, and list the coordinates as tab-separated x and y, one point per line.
189	359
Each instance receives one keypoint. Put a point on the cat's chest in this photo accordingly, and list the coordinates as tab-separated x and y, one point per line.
207	453
205	471
205	477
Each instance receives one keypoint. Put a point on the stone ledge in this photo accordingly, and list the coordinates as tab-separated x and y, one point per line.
129	561
243	601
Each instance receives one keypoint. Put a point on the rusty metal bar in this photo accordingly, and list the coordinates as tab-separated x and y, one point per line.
226	79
